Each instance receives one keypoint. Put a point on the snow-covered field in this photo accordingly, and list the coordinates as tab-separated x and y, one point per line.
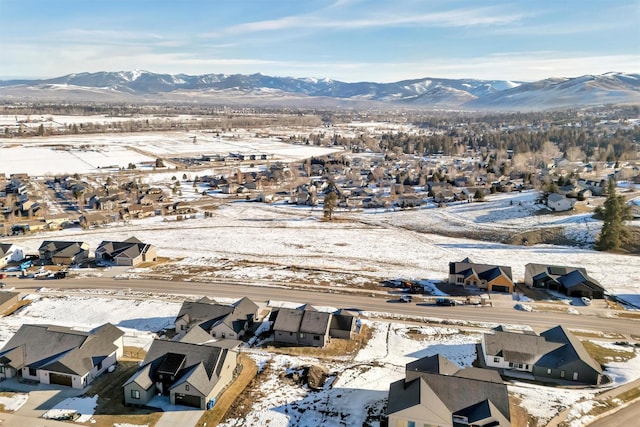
105	152
262	243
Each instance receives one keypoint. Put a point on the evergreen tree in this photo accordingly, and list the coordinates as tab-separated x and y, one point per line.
330	203
614	211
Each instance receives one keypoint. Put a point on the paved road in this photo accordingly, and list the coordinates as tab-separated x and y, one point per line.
501	312
628	416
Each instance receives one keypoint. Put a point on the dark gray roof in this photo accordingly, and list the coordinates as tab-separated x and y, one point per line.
197	311
200	365
315	322
288	320
63	249
130	248
464	265
517	347
437	364
572	350
59	349
4	248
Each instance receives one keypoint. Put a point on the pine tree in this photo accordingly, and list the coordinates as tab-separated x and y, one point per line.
330	203
614	211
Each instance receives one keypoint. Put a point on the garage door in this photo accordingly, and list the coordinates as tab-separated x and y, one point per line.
60	379
498	288
188	400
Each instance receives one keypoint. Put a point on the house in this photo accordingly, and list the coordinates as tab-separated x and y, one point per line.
10	253
555	354
218	320
8	300
130	252
484	276
190	374
304	326
571	281
95	219
437	392
67	253
60	355
559	202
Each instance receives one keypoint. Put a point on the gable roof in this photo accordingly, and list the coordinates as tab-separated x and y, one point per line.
465	265
315	322
199	365
288	319
130	248
437	364
59	349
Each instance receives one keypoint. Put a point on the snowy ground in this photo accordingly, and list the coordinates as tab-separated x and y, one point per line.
94	153
260	243
359	382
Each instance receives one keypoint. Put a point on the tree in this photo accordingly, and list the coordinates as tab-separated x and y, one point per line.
479	195
330	203
159	163
614	212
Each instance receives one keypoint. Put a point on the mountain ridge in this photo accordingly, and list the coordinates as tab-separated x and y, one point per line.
471	94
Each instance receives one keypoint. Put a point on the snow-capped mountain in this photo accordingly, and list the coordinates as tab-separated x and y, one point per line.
258	88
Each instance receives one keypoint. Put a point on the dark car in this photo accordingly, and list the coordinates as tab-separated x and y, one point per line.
445	301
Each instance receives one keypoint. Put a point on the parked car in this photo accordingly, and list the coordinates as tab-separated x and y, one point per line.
586	301
2	284
406	298
445	301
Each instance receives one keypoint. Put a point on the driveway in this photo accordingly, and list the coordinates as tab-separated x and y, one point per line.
180	418
42	397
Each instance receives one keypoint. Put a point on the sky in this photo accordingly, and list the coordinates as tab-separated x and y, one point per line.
347	40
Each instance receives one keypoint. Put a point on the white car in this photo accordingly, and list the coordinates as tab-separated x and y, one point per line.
586	301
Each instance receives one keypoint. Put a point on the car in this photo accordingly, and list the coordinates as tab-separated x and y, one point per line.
2	284
406	298
585	300
445	302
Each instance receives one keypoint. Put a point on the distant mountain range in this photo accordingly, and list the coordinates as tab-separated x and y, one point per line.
258	89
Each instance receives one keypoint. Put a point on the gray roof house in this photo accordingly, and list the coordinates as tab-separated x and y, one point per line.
219	320
130	252
60	355
438	392
555	354
304	326
67	253
190	374
571	281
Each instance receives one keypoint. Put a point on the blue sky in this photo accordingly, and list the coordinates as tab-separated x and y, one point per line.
348	40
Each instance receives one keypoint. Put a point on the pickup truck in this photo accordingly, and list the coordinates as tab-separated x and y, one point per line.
445	301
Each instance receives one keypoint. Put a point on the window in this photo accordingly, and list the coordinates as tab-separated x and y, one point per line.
99	365
511	364
575	376
1	369
496	359
549	371
459	279
316	337
186	387
411	424
301	335
561	374
32	372
135	394
223	335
